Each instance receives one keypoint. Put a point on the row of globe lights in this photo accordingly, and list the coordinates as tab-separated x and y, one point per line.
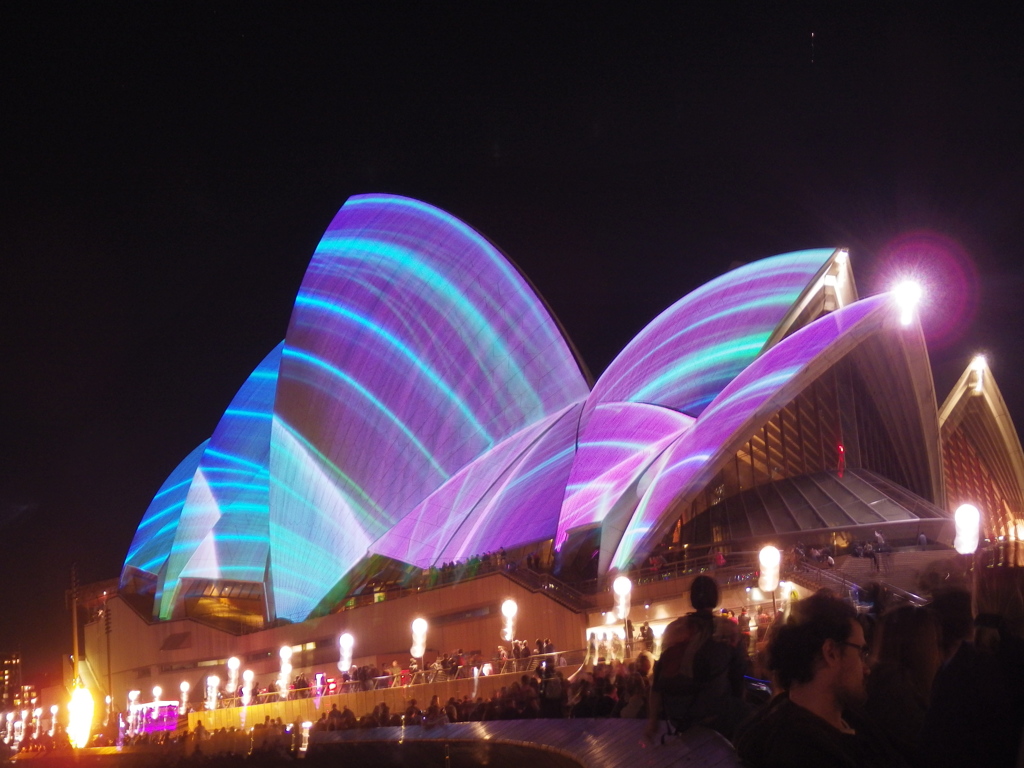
346	643
509	610
908	295
967	519
24	721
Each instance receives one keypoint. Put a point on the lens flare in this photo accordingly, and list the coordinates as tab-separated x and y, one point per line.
947	276
908	296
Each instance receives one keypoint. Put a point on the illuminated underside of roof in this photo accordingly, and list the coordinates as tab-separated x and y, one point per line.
773	379
984	464
819	503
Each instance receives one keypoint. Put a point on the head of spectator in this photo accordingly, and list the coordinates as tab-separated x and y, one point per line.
703	593
908	640
819	657
644	663
956	618
727	631
1000	606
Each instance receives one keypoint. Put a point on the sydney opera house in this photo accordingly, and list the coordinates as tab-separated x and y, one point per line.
426	407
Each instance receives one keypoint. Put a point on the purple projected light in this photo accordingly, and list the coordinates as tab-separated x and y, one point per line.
414	347
690	352
617	445
525	506
421	536
759	391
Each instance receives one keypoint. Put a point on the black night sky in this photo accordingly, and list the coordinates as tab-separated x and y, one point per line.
168	170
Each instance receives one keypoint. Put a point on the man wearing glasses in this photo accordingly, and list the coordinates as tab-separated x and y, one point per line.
819	657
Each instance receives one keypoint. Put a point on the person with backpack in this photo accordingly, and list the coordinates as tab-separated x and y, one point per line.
694	679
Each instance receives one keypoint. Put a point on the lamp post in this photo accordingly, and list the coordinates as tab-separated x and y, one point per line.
212	685
769	558
967	519
247	677
286	671
623	587
133	698
509	609
345	644
419	640
233	665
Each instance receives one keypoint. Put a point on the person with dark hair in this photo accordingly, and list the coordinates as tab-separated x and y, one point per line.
693	680
819	660
899	687
975	713
704	593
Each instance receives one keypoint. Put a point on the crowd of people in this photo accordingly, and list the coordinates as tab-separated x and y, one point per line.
368	677
828	684
908	686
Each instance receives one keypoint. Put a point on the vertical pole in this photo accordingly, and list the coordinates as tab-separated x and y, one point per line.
110	684
74	624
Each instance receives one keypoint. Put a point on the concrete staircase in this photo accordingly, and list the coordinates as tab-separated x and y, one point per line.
900	569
